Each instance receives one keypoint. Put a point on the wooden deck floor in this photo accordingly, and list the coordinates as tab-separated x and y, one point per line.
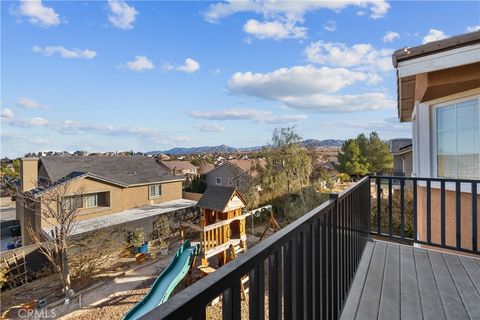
401	282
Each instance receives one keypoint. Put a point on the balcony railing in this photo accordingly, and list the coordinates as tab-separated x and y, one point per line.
305	270
309	266
430	211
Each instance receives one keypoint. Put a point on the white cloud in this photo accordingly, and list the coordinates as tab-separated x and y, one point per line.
65	53
214	127
28	103
281	18
297	80
390	36
37	13
309	88
258	116
6	113
323	103
330	26
35	122
121	15
291	10
140	63
473	28
75	128
434	35
274	29
189	66
361	56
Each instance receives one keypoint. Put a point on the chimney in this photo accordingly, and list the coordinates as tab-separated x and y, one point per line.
29	173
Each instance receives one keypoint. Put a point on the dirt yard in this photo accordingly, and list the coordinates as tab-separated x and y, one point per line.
115	298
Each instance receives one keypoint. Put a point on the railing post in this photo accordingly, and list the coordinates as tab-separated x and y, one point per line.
368	208
334	248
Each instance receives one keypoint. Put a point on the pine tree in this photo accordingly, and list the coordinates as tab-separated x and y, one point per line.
378	155
350	159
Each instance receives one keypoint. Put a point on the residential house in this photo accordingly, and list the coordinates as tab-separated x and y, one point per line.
110	184
180	167
205	167
401	150
439	93
236	173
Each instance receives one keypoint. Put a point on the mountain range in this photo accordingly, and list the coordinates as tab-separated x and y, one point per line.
309	143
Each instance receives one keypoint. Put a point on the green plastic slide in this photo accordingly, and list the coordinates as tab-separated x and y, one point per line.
167	281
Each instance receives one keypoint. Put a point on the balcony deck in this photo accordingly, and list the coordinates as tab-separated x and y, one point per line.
400	282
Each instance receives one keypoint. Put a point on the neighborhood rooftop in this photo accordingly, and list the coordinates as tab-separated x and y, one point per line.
123	170
397	145
178	165
216	198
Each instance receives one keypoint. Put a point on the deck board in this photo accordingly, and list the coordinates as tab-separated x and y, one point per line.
411	307
389	308
402	282
452	303
473	270
468	293
351	305
432	307
370	299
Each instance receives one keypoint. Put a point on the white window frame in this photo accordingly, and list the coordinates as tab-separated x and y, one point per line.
153	196
434	128
69	201
218	181
86	200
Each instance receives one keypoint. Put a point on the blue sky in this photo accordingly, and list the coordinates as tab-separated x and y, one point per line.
151	75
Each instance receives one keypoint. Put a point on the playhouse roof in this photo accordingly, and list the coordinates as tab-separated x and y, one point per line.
218	198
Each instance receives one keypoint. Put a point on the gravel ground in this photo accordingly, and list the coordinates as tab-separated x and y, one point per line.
115	308
114	299
215	312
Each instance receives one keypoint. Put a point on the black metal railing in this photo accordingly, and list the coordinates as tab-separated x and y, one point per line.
303	271
431	211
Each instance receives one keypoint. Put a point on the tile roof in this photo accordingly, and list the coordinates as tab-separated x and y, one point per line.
249	165
123	170
205	167
178	165
396	145
216	198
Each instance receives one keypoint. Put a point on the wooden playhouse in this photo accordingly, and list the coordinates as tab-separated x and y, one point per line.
222	224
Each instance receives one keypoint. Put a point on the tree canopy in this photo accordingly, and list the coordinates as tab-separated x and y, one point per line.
362	155
288	164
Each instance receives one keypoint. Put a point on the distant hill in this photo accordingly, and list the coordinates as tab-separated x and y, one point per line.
309	143
312	143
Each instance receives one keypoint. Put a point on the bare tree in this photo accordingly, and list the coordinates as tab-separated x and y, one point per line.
57	206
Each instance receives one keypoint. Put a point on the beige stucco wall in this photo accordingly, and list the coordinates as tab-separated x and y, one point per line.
192	195
450	217
29	173
122	198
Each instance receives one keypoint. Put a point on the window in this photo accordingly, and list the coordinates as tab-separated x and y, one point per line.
458	140
155	190
72	202
230	182
91	200
218	181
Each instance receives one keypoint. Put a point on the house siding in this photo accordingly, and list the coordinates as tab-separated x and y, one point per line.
228	173
121	198
450	217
